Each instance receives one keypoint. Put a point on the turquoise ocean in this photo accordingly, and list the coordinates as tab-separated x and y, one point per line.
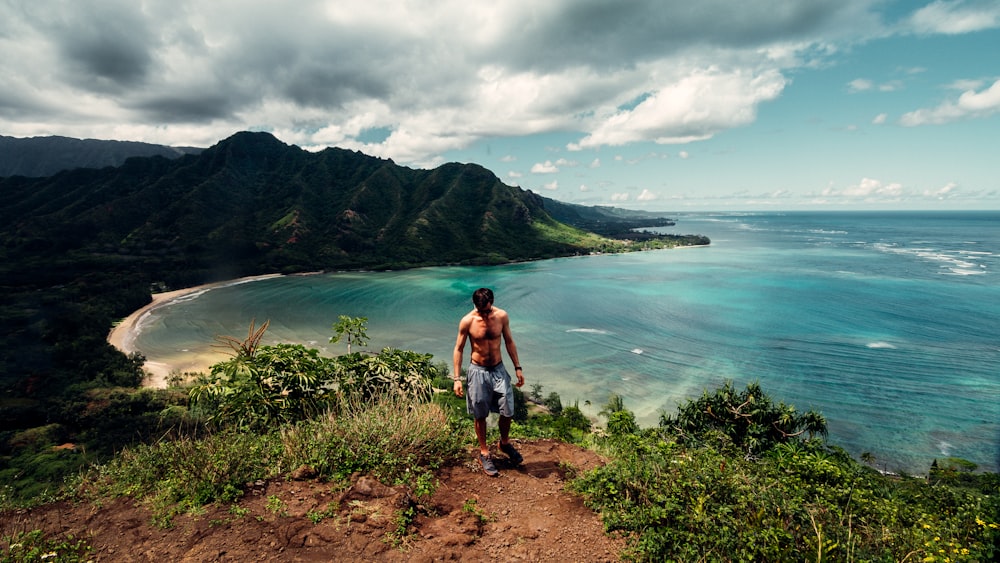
887	322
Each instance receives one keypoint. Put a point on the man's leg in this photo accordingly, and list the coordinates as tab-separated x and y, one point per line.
484	449
504	429
505	446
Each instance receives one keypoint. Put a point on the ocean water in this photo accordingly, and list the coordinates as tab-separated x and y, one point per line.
888	323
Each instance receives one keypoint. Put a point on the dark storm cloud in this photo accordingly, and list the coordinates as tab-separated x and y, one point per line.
189	107
614	34
103	45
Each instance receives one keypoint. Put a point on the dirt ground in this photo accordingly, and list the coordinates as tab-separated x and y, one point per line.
522	515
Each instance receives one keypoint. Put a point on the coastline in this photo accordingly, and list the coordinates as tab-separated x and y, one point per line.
122	336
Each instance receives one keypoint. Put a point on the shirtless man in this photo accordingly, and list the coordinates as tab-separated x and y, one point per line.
488	380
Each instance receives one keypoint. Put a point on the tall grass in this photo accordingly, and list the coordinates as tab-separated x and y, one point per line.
394	439
389	438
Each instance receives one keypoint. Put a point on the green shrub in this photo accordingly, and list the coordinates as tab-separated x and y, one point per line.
750	419
690	491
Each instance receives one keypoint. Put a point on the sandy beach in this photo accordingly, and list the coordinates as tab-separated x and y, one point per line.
122	336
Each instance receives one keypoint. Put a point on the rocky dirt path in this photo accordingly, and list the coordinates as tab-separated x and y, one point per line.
523	515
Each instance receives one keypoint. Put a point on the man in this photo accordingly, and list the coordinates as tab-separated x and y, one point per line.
488	380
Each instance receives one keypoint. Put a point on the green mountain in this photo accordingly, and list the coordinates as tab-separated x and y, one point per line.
252	203
45	156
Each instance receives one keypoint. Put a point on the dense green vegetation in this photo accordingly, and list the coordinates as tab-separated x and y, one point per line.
83	248
731	476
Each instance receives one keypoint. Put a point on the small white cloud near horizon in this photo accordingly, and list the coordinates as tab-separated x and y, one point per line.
619	197
596	163
868	188
546	167
646	195
970	104
551	186
514	174
508	158
880	119
946	191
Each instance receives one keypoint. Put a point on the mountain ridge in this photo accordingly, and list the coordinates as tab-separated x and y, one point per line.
36	157
258	205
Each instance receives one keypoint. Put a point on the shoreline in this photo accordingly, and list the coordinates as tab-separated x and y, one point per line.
123	334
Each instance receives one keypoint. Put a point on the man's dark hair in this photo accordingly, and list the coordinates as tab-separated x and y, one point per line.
482	297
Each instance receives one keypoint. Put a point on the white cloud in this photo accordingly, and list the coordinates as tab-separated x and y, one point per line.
646	195
514	174
551	186
619	197
508	158
867	190
546	167
864	85
880	119
692	108
684	155
970	104
584	188
596	163
952	17
944	192
859	85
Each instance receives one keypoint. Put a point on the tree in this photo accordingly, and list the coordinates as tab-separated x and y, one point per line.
621	421
355	328
750	419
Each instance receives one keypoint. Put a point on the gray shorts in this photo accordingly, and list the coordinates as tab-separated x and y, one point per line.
488	390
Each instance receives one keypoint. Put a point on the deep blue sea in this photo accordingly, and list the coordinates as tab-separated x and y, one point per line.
887	322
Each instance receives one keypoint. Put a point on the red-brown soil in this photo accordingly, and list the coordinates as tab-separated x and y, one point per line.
523	515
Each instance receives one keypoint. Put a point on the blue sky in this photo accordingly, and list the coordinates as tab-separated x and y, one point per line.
654	104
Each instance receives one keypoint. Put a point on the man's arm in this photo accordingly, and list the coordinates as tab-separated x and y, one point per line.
512	351
456	356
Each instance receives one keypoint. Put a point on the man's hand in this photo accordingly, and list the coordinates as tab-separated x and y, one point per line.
458	387
520	378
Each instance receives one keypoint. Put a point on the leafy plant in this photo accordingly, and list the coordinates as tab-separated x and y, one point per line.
34	545
277	506
355	329
391	371
261	386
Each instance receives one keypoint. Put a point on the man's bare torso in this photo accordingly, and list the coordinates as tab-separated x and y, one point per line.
485	332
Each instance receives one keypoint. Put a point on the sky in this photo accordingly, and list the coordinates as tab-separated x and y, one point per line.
664	105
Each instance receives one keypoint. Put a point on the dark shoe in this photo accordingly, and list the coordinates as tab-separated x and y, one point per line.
488	467
515	456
